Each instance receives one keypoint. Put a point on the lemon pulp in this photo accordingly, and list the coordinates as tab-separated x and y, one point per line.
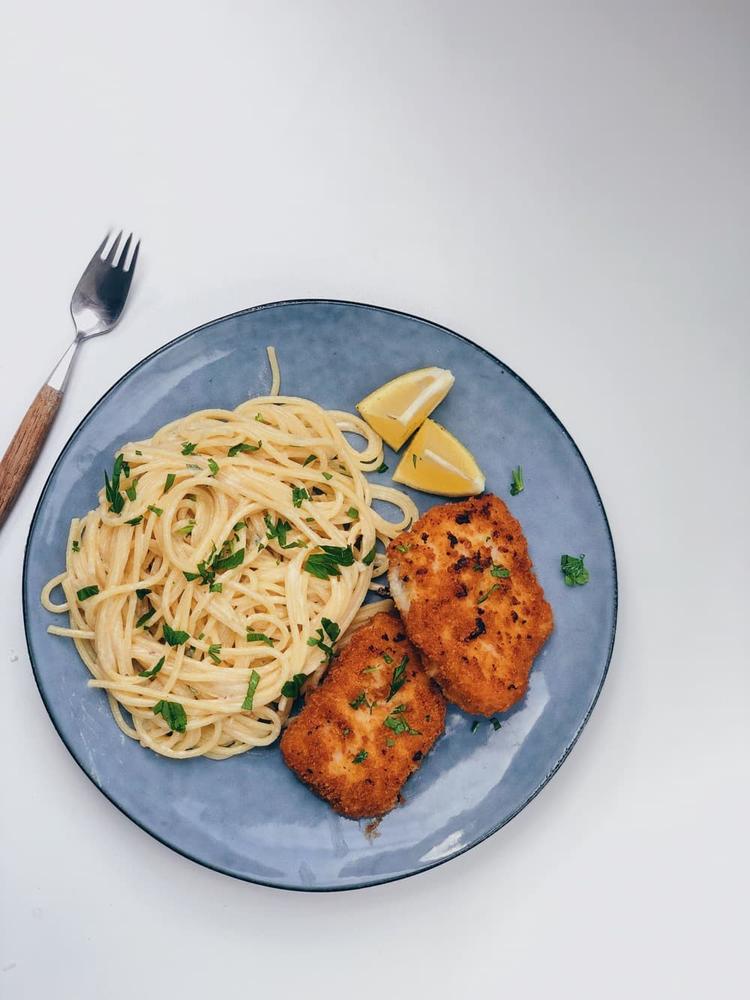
397	408
437	462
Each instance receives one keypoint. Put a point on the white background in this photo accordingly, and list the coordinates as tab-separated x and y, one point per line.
567	184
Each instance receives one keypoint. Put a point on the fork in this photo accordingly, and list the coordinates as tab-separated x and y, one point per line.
96	307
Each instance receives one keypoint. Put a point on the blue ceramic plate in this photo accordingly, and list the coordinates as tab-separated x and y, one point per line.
249	816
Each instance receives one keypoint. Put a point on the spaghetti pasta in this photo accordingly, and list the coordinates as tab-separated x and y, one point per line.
226	555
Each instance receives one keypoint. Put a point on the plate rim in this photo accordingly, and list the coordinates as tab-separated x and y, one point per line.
378	880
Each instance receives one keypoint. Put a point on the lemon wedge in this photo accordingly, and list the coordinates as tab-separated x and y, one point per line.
437	462
399	407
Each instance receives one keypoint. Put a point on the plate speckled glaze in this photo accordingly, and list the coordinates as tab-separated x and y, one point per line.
249	816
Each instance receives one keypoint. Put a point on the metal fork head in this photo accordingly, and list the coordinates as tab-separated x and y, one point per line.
100	295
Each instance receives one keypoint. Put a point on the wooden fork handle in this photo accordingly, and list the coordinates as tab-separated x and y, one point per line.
25	447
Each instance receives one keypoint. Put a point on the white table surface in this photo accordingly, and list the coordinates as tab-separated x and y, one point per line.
565	183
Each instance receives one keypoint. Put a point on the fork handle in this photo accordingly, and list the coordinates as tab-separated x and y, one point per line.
26	444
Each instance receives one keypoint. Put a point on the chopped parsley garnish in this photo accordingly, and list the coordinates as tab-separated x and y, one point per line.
327	475
76	546
517	483
130	492
155	669
85	592
326	563
214	652
370	669
399	678
330	630
141	592
146	616
259	637
475	725
247	704
390	742
500	571
112	489
299	493
231	561
359	700
387	658
186	528
135	520
398	723
173	714
483	597
360	757
367	560
352	513
215	588
403	548
310	458
213	466
138	452
243	446
174	637
260	419
155	510
188	447
573	570
382	467
169	482
292	688
279	532
496	724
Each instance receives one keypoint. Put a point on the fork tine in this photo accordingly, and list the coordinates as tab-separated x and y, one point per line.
124	254
131	269
110	258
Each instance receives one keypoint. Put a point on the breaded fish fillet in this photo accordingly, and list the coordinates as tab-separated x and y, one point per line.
365	729
464	584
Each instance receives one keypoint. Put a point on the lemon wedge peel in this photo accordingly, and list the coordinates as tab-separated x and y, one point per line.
396	409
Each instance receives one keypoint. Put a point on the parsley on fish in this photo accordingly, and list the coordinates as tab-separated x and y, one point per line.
500	571
573	570
359	700
399	678
483	597
398	724
360	757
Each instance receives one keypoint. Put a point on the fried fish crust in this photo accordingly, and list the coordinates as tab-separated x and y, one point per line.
357	740
464	584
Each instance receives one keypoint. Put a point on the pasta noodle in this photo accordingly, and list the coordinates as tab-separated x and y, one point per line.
199	594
